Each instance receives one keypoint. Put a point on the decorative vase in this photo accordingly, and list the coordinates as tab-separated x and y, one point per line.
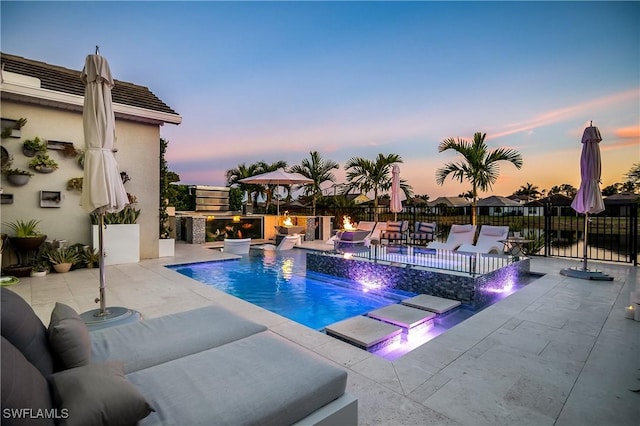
18	180
62	267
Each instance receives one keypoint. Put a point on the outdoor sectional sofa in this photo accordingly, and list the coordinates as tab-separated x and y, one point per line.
206	366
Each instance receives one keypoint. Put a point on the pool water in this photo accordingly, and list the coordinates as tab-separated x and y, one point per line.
277	281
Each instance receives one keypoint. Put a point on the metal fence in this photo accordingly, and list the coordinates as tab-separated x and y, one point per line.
555	230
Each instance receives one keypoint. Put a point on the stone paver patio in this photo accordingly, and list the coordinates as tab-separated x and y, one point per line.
558	352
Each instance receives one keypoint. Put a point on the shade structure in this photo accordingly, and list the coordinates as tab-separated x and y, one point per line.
396	203
102	187
277	177
588	200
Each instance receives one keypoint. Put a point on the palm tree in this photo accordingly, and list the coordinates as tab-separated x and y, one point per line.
530	190
241	172
270	189
317	169
366	175
479	165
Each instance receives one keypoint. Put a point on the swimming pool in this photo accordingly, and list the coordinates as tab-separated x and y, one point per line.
277	281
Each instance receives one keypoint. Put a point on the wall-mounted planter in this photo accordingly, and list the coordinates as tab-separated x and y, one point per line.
121	243
6	198
18	180
43	169
51	198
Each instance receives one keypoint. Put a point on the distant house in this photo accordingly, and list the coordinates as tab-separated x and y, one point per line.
51	99
560	205
621	204
356	198
497	205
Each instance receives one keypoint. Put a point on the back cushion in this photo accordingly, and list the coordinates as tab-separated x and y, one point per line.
22	327
426	228
394	226
23	388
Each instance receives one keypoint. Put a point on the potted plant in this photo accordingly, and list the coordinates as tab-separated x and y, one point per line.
31	147
25	242
63	258
43	163
16	177
90	257
121	235
75	184
40	269
516	228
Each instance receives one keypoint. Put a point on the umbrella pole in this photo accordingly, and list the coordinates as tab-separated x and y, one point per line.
584	248
103	302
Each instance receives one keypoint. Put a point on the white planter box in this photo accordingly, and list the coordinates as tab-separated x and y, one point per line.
121	243
166	247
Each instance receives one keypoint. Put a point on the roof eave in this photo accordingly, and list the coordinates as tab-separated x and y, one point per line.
52	98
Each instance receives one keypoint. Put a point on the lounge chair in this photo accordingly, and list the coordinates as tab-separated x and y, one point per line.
237	246
488	240
396	231
458	235
423	233
286	243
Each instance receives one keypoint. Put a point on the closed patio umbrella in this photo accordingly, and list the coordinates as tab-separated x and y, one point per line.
396	203
588	200
278	177
102	187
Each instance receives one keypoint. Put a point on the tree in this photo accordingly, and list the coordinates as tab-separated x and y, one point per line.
633	179
270	189
564	189
530	191
366	175
319	170
479	165
243	171
166	192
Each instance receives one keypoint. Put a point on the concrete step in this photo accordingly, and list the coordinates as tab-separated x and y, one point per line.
365	333
410	319
439	305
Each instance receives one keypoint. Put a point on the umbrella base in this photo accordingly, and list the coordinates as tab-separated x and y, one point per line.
586	274
114	315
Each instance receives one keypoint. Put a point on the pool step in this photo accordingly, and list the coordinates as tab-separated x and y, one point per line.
411	320
364	332
439	305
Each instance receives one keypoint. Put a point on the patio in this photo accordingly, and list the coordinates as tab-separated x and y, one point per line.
559	351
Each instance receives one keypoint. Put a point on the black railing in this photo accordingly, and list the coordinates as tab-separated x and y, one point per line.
555	230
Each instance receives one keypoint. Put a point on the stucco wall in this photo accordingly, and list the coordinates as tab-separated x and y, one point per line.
138	154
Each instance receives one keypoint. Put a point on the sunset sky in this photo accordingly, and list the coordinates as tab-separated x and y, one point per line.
274	80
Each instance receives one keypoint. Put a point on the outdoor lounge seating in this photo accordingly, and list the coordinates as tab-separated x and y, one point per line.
237	246
396	231
488	240
458	235
286	243
423	233
231	371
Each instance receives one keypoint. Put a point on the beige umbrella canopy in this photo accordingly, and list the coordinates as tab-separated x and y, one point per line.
278	177
396	203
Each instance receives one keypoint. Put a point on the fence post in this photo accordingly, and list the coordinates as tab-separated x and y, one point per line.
547	229
634	233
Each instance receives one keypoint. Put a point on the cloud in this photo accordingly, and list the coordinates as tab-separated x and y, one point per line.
632	132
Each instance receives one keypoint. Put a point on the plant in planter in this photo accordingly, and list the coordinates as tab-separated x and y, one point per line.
43	163
14	129
16	177
31	147
25	242
75	184
40	269
63	258
90	257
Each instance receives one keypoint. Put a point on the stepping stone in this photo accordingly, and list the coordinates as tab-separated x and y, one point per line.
435	304
403	316
365	333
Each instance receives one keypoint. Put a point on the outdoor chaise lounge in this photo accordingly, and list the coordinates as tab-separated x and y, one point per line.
423	233
488	240
458	235
237	246
207	366
286	243
396	231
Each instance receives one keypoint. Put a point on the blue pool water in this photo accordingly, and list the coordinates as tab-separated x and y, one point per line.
277	281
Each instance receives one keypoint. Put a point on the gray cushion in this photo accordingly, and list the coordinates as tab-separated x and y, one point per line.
69	337
98	394
261	379
22	327
23	387
163	339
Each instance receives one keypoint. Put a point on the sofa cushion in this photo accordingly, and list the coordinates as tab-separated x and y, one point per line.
394	226
22	327
157	340
23	388
98	394
69	337
262	379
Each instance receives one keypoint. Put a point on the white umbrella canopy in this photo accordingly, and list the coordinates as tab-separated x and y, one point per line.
277	177
102	187
396	203
588	200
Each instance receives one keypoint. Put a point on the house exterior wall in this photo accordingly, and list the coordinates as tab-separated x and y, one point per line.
138	154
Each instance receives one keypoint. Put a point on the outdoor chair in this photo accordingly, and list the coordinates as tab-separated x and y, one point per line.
286	243
489	240
396	231
237	246
423	233
458	235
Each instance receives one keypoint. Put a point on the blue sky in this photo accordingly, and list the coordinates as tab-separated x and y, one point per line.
273	80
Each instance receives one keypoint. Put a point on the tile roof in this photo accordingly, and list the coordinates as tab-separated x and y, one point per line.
65	80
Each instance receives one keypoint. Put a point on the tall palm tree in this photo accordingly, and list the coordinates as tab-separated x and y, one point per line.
530	190
241	172
366	176
270	189
479	165
317	169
